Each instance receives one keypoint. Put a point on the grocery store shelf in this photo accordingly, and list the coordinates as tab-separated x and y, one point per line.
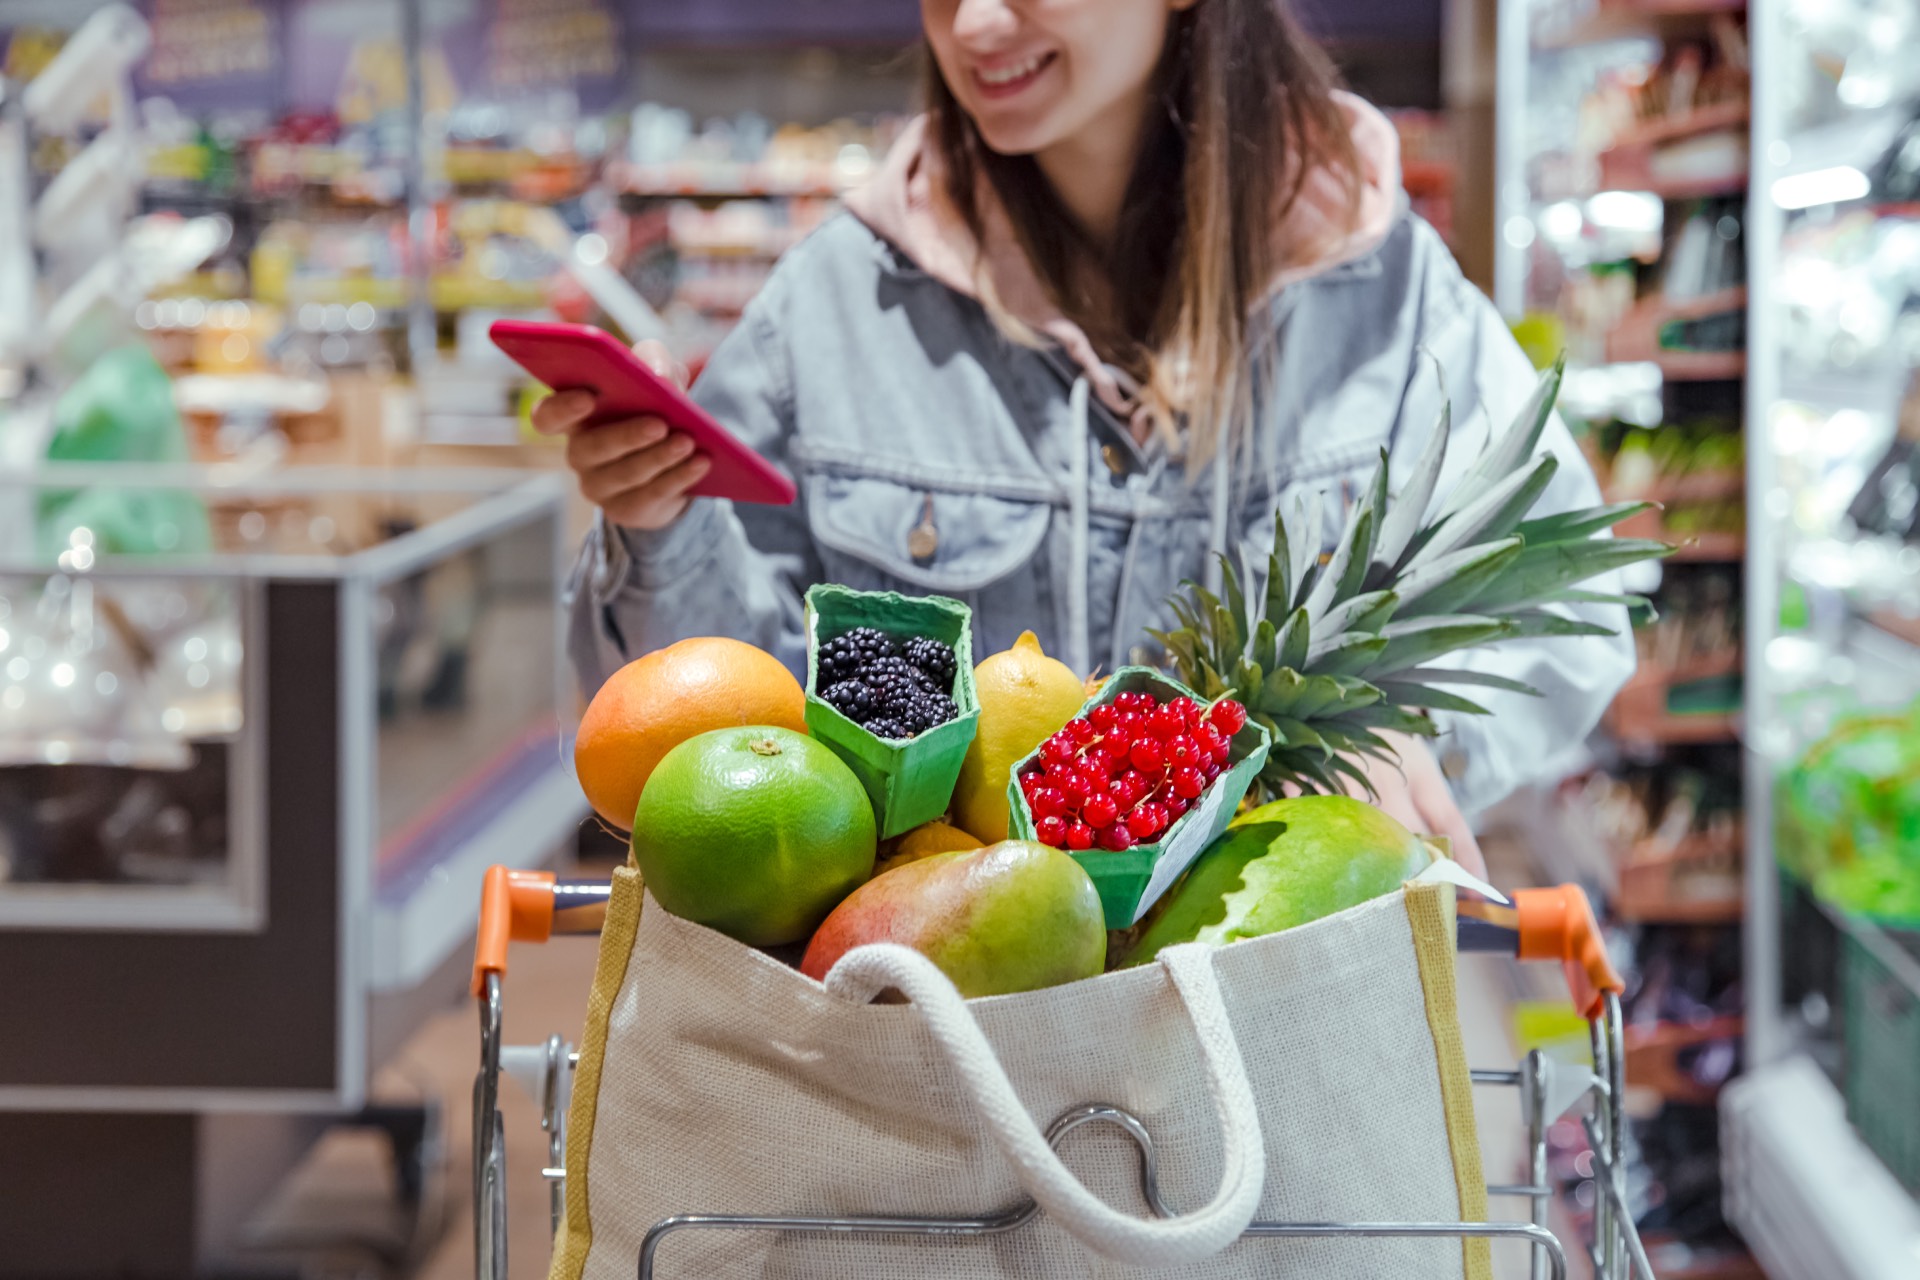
1702	366
1719	115
1616	19
1671	730
1636	338
1694	881
1711	548
1809	1198
1653	1057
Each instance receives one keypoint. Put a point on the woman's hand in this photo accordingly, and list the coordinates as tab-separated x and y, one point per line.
635	470
1418	796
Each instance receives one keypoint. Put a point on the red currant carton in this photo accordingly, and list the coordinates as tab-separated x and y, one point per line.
909	780
1137	785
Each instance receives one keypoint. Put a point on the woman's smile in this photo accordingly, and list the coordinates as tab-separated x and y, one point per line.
1001	78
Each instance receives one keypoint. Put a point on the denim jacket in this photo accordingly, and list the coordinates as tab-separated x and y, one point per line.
893	400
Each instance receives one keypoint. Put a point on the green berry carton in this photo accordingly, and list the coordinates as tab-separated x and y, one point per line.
1131	880
909	780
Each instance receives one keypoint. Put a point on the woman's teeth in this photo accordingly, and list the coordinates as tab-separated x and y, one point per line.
1008	74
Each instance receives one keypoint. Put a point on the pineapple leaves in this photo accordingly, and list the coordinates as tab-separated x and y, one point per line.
1294	642
1570	526
1452	581
1505	453
1333	655
1419	695
1458	676
1396	539
1539	572
1493	515
1412	641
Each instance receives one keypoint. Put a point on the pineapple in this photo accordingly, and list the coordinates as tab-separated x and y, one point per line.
1342	647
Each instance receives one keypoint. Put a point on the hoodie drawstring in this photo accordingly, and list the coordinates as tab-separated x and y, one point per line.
1079	641
1217	517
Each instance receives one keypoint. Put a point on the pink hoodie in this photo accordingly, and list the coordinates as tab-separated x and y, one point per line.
905	205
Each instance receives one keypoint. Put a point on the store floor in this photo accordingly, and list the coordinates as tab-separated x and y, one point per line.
547	992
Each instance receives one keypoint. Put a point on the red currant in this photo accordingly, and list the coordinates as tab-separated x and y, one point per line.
1133	722
1187	709
1104	717
1079	836
1051	831
1213	743
1118	740
1081	731
1100	810
1182	750
1214	769
1074	791
1228	716
1188	783
1057	750
1146	754
1116	839
1031	782
1133	787
1164	722
1048	802
1141	824
1176	809
1097	762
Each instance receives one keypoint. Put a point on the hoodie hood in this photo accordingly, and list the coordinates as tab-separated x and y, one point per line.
905	204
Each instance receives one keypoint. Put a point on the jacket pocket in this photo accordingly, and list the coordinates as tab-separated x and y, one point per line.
892	534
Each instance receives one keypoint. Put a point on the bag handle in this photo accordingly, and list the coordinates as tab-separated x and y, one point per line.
866	971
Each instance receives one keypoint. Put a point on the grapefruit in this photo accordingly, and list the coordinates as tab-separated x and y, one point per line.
1284	864
757	832
655	703
1025	697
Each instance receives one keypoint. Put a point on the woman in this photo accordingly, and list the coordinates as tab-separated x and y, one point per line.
1140	275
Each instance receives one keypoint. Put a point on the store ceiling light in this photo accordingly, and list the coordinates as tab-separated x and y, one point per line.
1820	186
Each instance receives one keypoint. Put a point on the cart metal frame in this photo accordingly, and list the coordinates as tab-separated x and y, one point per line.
1541	924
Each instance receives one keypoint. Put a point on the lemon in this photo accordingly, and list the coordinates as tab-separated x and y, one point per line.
1025	697
924	841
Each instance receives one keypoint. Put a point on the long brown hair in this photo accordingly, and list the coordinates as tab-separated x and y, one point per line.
1242	113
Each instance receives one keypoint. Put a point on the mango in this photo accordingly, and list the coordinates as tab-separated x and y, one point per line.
1285	864
1014	916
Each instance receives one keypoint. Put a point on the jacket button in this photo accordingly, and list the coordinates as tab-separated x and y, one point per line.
1116	461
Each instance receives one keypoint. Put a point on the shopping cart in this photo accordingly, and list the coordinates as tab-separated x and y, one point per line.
1540	924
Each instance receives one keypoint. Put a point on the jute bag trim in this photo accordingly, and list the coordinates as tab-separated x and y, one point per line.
1430	914
1429	911
609	970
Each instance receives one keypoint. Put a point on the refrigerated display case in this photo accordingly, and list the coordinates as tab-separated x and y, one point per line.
1823	1145
246	793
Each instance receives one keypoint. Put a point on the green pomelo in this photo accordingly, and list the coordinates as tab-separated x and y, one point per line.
1285	864
757	832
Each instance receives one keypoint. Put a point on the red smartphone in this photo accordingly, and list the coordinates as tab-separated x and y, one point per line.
567	357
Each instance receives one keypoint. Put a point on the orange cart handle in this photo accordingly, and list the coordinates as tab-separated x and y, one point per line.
515	906
1558	924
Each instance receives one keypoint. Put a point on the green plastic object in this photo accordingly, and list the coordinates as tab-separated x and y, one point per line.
1880	974
910	781
1847	817
121	410
1131	881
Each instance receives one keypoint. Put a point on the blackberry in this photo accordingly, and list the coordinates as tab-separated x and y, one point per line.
884	727
918	708
850	698
934	659
885	675
839	660
872	643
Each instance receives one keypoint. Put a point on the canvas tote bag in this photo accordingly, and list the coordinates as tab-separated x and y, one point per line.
1313	1075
